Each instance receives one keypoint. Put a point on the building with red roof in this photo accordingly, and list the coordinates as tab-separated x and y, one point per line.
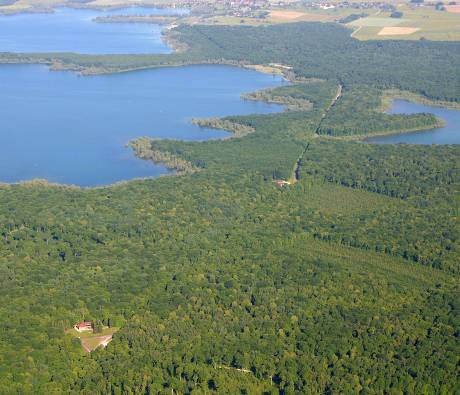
83	326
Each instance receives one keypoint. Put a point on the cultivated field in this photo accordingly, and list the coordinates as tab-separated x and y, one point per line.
377	22
280	16
397	31
453	8
296	16
416	23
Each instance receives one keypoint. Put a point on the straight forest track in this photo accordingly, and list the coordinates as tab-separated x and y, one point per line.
296	169
332	104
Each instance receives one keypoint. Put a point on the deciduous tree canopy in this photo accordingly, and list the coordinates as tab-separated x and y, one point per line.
344	281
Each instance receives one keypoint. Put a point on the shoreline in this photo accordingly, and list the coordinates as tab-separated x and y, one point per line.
10	10
389	95
25	11
56	64
441	124
170	39
175	172
362	138
43	182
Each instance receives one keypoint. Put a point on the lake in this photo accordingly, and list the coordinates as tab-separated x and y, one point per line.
449	134
71	30
73	130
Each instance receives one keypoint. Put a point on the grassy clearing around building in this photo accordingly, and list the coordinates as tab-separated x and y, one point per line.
90	340
416	23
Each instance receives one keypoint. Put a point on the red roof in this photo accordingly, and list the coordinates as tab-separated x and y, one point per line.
83	324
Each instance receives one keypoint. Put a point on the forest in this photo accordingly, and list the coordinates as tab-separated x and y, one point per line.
232	275
222	282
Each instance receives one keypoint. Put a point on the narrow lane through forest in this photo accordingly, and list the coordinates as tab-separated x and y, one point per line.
295	173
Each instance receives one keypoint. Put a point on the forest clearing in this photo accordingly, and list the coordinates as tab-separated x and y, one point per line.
90	339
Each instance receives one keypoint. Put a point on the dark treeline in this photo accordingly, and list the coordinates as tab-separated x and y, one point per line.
365	103
327	51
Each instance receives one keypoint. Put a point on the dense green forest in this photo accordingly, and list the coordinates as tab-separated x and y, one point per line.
228	272
344	282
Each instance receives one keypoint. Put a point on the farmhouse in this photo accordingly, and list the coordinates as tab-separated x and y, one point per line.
83	326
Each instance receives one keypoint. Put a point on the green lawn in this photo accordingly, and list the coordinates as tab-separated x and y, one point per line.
87	334
90	340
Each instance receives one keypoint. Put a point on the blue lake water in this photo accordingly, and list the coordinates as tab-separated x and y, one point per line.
70	30
72	129
449	134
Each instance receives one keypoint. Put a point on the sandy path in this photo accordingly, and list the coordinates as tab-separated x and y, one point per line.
101	341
